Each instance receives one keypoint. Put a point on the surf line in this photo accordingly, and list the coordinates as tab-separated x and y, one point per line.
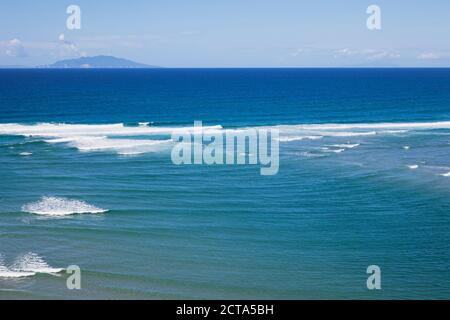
249	146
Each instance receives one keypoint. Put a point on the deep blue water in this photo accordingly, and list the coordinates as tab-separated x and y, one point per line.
345	196
226	96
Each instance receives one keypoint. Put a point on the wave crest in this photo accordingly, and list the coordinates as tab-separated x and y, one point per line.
102	137
55	206
146	138
5	272
31	262
26	265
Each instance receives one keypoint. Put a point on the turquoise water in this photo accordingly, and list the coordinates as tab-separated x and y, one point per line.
373	190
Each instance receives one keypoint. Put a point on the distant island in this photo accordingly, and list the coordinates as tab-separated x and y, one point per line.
97	62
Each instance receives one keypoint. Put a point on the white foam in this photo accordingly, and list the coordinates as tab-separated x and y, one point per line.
33	263
357	129
445	174
346	145
406	147
67	130
298	138
107	137
130	153
371	126
346	133
14	274
394	131
53	130
54	206
308	154
325	149
413	166
121	146
121	139
7	273
25	154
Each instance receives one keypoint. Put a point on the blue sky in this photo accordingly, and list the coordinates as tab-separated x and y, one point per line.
229	33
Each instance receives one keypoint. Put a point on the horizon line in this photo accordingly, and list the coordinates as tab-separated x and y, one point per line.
5	67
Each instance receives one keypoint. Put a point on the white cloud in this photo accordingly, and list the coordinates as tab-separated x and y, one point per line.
106	42
67	48
298	52
345	52
428	56
14	48
60	48
368	54
383	55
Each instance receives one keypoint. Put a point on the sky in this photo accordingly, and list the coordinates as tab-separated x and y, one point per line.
229	33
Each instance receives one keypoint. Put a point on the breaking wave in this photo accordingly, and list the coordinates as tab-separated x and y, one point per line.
5	272
298	138
346	145
325	149
54	206
145	138
55	130
387	126
355	129
121	146
125	140
31	262
26	265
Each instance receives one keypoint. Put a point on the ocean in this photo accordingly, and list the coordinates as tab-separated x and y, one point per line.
86	179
